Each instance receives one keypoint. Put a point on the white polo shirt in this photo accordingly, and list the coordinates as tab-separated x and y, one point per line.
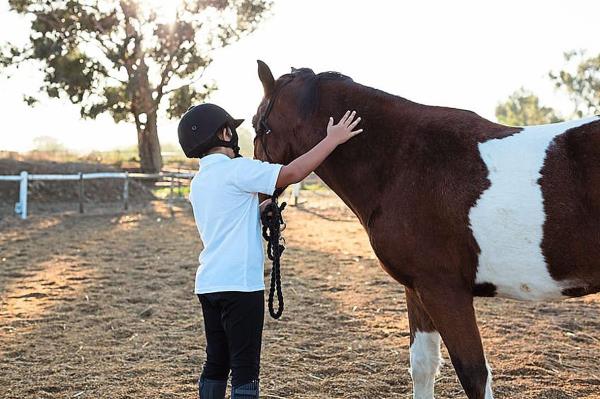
224	197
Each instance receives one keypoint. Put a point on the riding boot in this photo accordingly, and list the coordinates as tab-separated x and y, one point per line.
245	391
211	389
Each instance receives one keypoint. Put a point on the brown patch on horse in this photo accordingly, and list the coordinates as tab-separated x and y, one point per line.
418	318
581	291
484	289
570	186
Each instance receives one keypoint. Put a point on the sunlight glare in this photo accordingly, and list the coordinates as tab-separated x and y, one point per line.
166	10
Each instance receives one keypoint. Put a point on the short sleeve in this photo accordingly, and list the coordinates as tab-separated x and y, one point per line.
255	176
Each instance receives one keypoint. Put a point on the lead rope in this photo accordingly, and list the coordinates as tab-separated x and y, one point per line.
272	221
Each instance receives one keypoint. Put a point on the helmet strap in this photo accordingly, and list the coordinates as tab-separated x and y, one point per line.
233	143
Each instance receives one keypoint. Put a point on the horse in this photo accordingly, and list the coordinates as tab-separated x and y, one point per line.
455	206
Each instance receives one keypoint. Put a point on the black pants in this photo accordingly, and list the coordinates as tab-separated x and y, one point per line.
233	324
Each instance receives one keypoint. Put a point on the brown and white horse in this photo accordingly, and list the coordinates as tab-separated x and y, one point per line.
455	206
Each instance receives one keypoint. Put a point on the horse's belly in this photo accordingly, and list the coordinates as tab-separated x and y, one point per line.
507	221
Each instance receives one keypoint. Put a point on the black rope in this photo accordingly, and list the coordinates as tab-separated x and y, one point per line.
271	217
272	221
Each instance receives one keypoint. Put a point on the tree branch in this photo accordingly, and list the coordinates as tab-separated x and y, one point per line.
191	82
165	77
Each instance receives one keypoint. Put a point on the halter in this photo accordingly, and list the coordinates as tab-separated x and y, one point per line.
263	127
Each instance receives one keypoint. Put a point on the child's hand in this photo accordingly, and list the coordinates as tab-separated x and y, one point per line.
343	132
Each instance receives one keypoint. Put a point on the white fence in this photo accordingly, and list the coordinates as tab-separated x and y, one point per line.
25	177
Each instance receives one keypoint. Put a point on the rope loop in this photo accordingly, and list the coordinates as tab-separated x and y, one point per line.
272	221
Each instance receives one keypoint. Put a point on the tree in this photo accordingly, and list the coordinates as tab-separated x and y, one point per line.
523	108
127	57
48	144
581	81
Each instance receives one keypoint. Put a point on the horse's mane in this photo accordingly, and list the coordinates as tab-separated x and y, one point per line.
309	99
309	92
309	95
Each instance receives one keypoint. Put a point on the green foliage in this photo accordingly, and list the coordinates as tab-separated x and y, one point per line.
31	101
245	141
181	192
183	98
48	144
523	108
581	80
122	56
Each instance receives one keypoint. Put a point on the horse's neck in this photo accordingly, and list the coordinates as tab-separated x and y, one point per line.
358	174
349	171
357	191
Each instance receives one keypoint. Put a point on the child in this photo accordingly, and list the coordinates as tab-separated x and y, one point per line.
229	280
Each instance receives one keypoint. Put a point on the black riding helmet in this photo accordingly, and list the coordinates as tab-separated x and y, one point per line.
199	127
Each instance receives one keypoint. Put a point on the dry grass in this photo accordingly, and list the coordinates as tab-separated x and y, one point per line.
101	306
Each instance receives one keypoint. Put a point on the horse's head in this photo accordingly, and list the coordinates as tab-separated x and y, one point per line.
277	119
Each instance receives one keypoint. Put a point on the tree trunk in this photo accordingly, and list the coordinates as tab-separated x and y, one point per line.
144	110
149	146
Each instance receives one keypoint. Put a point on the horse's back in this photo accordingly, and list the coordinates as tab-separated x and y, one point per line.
532	223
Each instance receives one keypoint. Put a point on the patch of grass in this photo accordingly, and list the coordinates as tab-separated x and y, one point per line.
314	186
163	192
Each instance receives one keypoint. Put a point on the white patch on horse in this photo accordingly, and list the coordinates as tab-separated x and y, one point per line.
507	220
425	362
488	383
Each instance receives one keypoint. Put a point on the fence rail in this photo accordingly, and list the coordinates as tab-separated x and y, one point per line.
24	178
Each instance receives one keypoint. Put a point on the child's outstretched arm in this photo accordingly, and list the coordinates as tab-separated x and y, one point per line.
302	166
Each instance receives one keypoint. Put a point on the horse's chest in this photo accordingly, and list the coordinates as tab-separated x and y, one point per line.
508	219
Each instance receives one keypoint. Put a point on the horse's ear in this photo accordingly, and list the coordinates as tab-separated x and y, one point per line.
294	70
266	77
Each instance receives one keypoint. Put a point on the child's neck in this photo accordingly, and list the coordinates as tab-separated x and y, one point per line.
222	150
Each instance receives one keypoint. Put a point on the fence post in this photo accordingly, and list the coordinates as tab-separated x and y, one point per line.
80	192
22	204
296	192
171	193
126	191
179	193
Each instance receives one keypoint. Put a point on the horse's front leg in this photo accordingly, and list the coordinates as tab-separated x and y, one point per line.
450	308
425	358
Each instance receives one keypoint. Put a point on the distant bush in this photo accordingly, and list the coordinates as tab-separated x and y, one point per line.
48	144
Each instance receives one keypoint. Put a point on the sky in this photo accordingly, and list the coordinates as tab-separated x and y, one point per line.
461	53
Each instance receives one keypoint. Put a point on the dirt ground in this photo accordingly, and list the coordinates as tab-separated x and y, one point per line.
100	305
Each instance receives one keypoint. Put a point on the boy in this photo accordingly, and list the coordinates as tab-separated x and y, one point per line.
229	280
